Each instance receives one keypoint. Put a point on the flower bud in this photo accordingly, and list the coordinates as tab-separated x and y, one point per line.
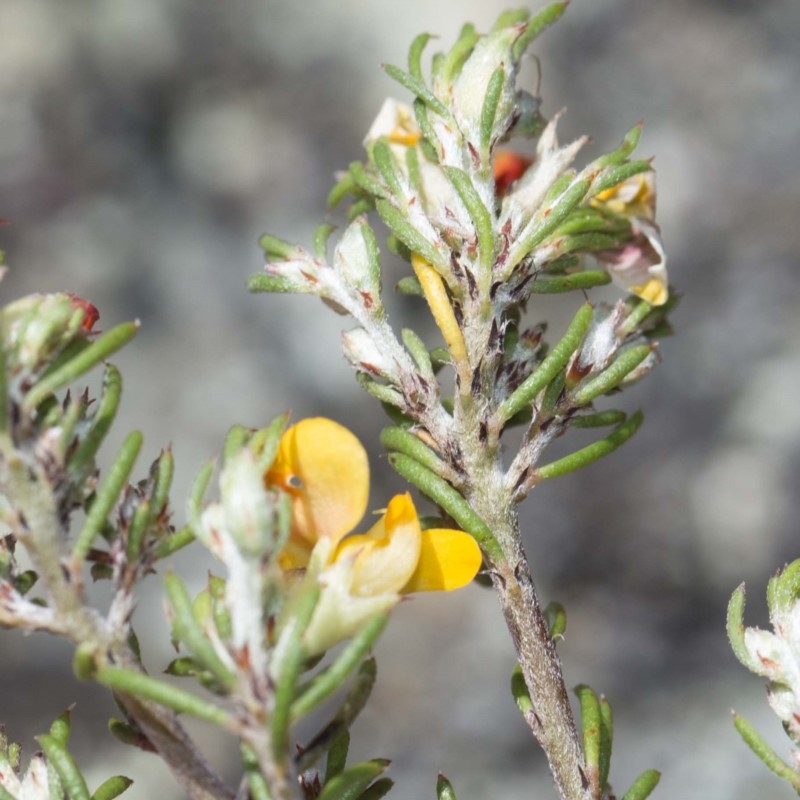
364	355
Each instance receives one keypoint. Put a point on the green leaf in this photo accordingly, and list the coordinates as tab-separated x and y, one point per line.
415	56
333	677
557	359
321	236
349	784
451	66
578	281
379	789
337	756
409	286
444	495
107	495
489	110
643	785
411	237
735	626
91	356
173	543
101	421
419	89
481	218
591	727
599	420
556	618
772	760
419	352
141	685
188	631
544	19
611	377
511	17
112	788
60	728
65	766
629	142
344	186
519	690
387	166
397	439
591	453
287	661
606	740
444	789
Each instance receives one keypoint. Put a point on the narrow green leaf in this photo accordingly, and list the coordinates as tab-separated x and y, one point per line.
628	145
177	541
101	421
277	249
327	682
614	175
353	705
361	206
450	68
273	284
60	727
544	284
430	143
612	376
350	783
344	186
643	785
387	166
415	56
379	789
136	531
546	221
606	740
404	442
112	788
444	789
198	493
140	685
255	780
164	471
591	453
519	691
591	728
321	236
735	626
412	165
544	19
555	616
107	495
494	90
411	237
384	393
188	631
599	420
287	661
97	351
419	352
480	216
783	589
557	359
444	495
419	89
65	766
127	734
511	17
366	182
765	752
409	286
337	756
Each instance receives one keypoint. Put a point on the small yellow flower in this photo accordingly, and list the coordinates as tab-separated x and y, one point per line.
324	468
397	122
639	266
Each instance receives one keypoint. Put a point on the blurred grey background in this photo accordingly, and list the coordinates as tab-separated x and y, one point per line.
145	145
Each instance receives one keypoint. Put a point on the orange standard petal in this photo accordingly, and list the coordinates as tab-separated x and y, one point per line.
448	560
325	470
508	167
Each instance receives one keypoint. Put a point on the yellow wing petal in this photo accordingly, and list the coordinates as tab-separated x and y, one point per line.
448	560
325	469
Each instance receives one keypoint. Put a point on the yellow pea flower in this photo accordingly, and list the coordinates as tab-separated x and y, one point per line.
324	468
639	266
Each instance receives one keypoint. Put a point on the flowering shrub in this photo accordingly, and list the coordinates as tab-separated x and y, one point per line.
290	621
